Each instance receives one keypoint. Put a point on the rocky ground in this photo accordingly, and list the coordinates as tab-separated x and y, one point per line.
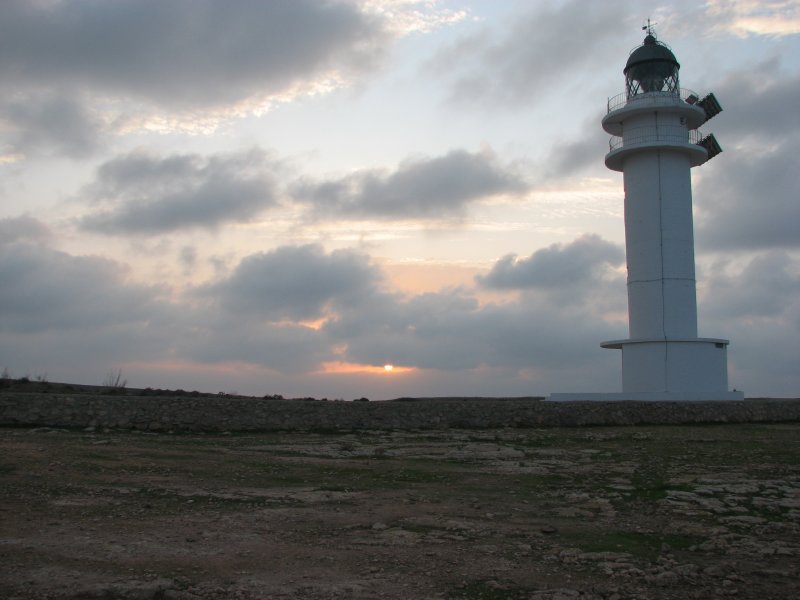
599	513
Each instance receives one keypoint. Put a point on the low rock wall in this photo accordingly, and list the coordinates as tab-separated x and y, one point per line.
253	414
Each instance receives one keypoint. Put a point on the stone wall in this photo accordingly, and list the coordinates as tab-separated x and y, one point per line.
255	414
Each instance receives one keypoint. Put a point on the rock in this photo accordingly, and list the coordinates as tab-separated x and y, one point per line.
128	590
549	529
496	585
604	556
666	579
179	595
559	594
743	520
569	555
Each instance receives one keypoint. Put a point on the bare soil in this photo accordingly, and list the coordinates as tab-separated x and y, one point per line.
606	513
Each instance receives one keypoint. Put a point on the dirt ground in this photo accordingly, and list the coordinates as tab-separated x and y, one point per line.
611	513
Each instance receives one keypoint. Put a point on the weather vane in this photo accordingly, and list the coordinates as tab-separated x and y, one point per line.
649	27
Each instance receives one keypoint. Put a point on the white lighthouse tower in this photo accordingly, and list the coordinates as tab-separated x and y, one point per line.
656	143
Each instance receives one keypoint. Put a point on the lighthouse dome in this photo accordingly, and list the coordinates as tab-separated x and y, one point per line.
652	67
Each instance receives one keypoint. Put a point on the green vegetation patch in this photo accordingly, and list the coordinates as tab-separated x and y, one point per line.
489	590
643	545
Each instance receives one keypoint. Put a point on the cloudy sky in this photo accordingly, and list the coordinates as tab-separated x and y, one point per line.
285	196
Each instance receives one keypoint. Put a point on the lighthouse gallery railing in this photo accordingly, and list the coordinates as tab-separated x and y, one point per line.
654	98
645	135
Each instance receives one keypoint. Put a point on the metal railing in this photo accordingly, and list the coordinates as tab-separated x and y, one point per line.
650	98
644	135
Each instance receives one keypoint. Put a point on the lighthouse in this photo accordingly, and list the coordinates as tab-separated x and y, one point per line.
655	143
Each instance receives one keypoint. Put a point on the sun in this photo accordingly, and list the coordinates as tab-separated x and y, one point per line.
388	368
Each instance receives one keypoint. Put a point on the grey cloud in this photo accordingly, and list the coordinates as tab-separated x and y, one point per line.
44	289
424	188
760	102
287	348
558	266
52	297
451	331
294	282
24	228
188	258
523	62
571	156
150	195
183	53
757	306
747	199
762	356
50	123
62	312
765	288
75	315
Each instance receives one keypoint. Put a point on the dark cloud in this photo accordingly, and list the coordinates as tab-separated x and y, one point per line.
558	266
23	228
758	102
747	198
267	293
76	317
452	331
423	188
183	53
146	194
572	156
44	289
50	123
294	282
286	347
534	54
765	288
61	311
755	304
188	257
762	356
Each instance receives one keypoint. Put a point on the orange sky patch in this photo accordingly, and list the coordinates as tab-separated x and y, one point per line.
348	368
417	278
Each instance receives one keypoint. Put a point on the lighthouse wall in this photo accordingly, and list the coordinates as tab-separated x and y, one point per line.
678	366
660	244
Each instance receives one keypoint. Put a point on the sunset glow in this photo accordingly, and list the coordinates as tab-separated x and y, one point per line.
348	368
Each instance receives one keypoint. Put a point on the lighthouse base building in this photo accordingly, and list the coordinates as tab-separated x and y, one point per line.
656	142
674	369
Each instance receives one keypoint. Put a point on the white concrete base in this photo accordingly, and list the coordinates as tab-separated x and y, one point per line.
690	366
647	397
